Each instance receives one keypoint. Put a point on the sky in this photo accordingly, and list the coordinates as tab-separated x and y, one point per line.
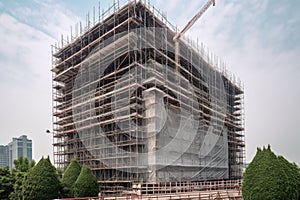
258	40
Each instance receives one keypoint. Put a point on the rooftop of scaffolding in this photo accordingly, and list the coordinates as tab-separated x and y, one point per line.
81	29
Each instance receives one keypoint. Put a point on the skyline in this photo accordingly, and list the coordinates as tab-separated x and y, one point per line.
257	39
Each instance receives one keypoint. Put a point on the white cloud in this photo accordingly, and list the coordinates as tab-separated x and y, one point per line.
49	16
21	48
25	65
279	10
25	77
25	84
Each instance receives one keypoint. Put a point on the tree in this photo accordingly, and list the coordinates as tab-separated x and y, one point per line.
21	168
18	179
86	184
270	177
6	185
41	182
23	164
69	178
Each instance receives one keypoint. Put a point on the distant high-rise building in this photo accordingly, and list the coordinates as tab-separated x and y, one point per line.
3	155
21	146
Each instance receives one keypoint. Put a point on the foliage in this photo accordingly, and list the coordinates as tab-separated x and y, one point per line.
59	172
270	177
86	184
23	164
6	186
41	182
69	178
21	168
18	178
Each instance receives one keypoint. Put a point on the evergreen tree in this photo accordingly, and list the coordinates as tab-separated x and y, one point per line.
41	182
86	184
6	183
69	178
270	177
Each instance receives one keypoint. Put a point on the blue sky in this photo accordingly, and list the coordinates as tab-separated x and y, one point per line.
258	39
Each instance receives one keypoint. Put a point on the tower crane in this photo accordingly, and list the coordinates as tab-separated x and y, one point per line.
176	38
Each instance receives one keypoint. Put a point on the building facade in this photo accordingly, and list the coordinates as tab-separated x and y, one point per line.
4	156
125	107
21	146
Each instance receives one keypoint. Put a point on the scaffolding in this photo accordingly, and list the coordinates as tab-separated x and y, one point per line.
120	107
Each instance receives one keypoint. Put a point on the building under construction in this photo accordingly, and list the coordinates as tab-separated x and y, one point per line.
124	107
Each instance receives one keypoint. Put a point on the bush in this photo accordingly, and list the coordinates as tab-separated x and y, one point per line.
69	178
270	177
41	182
86	184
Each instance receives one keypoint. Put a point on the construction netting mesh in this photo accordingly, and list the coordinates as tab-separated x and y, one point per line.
135	113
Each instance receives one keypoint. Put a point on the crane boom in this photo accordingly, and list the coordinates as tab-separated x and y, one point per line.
189	24
194	19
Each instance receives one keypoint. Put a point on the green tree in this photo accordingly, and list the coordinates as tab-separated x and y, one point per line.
69	178
41	182
270	177
6	183
18	178
23	164
19	172
86	184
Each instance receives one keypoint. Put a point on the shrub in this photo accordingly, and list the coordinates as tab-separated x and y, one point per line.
69	178
86	184
270	177
41	182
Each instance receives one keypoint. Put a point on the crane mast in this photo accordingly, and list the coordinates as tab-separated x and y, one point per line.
187	27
